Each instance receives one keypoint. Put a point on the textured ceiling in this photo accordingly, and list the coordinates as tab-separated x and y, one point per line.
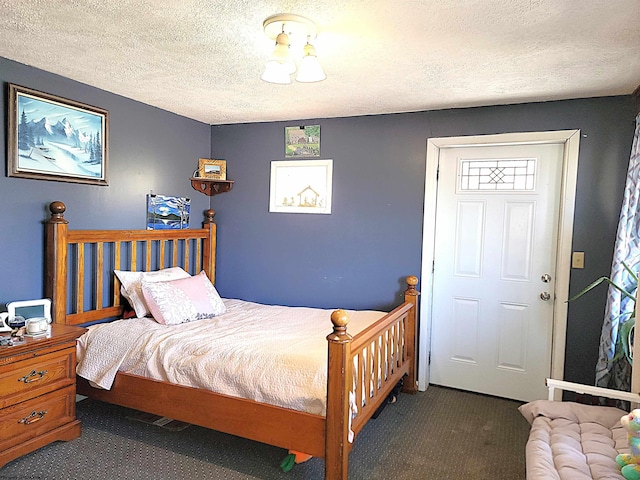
203	59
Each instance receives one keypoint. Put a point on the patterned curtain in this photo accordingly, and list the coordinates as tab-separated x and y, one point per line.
617	374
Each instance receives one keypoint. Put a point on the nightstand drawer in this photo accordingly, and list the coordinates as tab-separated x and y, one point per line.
29	419
36	376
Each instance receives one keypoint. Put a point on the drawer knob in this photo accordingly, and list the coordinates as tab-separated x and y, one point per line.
33	376
33	418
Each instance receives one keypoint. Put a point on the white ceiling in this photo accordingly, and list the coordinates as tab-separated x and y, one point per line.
203	59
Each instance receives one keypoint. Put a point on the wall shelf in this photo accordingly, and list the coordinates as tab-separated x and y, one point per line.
211	187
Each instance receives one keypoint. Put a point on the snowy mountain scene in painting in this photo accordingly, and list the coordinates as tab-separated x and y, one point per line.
58	139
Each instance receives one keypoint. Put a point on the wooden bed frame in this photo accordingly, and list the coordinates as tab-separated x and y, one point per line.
79	279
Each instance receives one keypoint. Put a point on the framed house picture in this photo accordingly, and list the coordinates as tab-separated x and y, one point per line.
302	141
53	138
212	169
301	186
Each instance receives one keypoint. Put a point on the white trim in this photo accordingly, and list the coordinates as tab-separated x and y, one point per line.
571	141
561	385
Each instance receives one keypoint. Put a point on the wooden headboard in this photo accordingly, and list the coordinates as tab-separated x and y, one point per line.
79	264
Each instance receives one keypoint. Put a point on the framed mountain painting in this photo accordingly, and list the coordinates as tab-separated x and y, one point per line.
53	138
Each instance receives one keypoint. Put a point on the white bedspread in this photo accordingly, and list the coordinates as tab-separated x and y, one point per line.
271	354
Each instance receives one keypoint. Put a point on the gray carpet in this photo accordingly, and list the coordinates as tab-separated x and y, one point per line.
439	434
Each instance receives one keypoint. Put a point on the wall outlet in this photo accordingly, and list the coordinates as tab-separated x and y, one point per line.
577	260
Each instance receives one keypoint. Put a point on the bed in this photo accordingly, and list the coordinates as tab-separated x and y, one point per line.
570	440
361	369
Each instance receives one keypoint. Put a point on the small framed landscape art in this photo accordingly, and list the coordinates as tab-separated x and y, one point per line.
212	169
301	186
54	138
165	212
302	141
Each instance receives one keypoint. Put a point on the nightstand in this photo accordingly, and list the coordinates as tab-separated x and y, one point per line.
38	392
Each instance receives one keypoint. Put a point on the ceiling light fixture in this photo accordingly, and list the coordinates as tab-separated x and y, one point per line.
280	65
290	31
310	69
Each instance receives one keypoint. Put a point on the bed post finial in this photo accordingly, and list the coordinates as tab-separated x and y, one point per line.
412	281
410	384
340	319
208	216
57	210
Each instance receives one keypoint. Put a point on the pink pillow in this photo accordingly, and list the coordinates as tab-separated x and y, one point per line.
182	300
131	288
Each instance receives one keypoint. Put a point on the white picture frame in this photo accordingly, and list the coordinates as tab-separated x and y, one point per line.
301	186
30	308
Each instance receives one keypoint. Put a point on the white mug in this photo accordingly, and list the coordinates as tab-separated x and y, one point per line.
37	325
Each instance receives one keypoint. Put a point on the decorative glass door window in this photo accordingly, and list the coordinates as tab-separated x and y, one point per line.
504	174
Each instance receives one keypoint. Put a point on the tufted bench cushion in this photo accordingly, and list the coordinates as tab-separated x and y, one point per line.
572	441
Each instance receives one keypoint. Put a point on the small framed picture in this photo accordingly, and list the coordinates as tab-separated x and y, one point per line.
302	141
301	186
212	169
166	212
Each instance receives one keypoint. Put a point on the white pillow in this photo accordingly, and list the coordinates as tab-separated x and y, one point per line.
132	285
183	300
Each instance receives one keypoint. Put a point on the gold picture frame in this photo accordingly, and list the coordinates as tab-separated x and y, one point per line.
212	169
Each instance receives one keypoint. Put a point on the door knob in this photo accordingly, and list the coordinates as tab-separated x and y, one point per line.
545	296
546	278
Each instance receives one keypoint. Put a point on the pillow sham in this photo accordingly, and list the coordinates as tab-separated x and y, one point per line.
183	300
132	285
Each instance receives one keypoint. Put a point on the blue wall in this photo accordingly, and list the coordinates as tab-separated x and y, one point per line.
358	256
149	149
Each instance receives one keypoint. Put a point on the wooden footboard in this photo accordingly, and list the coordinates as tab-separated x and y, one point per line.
362	370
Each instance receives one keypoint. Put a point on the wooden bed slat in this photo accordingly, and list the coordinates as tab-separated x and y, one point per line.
80	278
147	261
162	255
198	255
377	374
99	275
186	255
175	253
133	262
116	283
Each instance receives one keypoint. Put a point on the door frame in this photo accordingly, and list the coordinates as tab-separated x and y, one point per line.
570	139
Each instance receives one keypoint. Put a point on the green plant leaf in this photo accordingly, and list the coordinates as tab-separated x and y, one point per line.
625	331
624	339
598	282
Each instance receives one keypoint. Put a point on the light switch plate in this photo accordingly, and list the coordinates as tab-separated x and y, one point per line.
577	260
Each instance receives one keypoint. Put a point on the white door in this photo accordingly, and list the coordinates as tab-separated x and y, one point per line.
494	268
